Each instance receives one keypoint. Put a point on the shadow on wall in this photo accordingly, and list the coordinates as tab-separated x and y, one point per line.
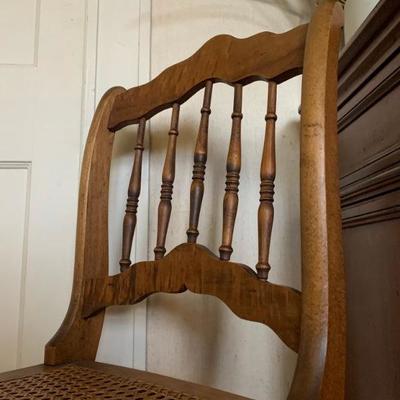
288	10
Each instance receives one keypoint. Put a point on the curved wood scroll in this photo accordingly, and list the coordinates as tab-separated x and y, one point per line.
78	338
194	267
224	58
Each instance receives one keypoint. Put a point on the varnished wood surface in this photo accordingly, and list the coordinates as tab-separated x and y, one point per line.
265	56
195	268
320	371
199	167
267	177
133	199
368	120
233	166
78	339
168	177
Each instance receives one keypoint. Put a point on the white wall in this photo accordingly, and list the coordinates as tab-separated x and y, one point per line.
355	13
57	58
196	337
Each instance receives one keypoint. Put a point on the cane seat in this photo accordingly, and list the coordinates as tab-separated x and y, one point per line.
91	380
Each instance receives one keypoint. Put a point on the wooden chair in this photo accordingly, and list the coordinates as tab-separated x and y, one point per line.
311	322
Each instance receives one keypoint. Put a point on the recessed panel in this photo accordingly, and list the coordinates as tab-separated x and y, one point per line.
18	28
13	183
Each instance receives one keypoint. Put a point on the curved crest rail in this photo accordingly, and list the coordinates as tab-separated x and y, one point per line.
224	58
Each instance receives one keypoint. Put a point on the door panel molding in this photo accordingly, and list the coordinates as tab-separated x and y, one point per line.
27	166
100	72
21	57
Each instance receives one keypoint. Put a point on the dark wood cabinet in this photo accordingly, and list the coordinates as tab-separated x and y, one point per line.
369	137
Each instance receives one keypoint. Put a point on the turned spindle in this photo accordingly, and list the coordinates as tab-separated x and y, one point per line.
168	176
267	177
233	162
129	224
199	167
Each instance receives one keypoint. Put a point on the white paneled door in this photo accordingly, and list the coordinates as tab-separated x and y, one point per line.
56	59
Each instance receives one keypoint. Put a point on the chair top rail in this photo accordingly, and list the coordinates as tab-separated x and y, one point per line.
224	58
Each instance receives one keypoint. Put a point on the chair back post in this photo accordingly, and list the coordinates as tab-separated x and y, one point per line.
320	372
78	338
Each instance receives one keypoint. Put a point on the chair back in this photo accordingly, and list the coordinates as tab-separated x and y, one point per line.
310	322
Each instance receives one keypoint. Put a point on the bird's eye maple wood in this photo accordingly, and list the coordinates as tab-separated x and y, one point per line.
311	322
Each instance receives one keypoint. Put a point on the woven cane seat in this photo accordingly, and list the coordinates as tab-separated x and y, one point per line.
87	381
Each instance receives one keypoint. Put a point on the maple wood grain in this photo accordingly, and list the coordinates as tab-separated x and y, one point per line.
194	267
321	365
78	338
264	56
